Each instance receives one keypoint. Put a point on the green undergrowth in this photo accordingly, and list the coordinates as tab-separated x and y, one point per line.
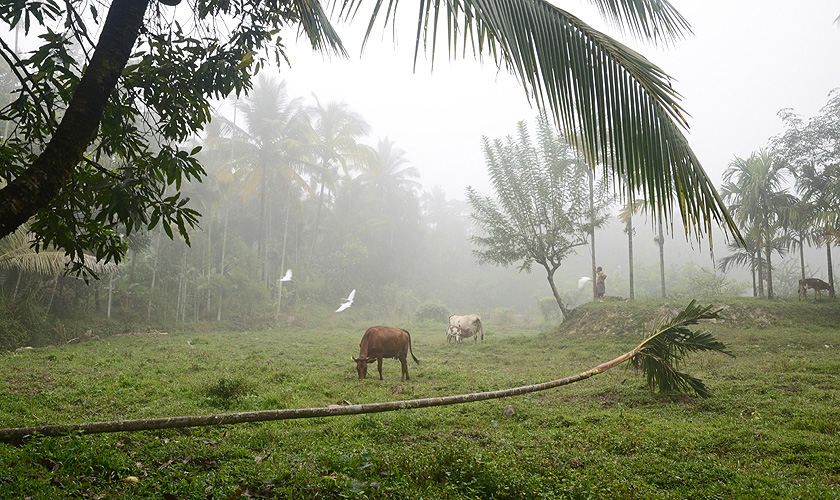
770	429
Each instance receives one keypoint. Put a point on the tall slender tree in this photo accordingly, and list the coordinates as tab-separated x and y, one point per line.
333	138
271	145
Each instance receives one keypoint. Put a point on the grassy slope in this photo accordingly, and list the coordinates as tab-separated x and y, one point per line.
771	429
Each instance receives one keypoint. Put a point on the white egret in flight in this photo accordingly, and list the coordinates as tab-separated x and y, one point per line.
347	302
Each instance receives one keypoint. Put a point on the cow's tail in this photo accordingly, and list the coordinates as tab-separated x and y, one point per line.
409	348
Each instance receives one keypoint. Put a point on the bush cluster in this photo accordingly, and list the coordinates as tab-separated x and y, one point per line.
433	310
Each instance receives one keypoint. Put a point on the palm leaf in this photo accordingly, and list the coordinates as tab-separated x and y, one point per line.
660	356
16	252
616	107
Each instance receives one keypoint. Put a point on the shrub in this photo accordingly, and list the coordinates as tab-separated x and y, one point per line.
434	310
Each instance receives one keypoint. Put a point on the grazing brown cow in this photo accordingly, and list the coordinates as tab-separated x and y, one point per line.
380	342
815	284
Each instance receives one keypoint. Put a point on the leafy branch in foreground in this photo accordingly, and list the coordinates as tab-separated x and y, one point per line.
658	357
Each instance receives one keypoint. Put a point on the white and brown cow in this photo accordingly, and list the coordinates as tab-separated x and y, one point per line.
467	326
455	332
381	342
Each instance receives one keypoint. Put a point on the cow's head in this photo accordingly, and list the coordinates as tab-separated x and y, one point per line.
361	365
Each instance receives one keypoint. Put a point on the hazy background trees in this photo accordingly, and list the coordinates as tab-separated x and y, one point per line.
294	183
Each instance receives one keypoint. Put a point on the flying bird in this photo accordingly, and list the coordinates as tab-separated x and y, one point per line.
583	281
287	276
346	302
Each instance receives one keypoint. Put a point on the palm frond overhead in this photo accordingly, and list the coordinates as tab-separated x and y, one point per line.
661	355
16	252
616	107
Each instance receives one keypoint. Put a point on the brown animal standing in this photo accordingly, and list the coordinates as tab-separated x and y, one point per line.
815	284
380	342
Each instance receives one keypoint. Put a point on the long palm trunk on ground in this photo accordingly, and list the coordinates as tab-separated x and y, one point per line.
658	358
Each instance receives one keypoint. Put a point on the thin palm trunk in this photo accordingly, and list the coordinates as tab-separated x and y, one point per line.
283	250
181	313
110	294
830	267
801	259
661	241
592	232
261	236
208	259
222	266
52	295
630	254
154	276
317	221
17	284
760	273
767	252
657	356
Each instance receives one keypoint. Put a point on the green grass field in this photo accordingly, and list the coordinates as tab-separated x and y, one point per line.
771	429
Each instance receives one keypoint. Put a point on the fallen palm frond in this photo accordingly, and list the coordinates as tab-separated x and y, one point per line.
658	357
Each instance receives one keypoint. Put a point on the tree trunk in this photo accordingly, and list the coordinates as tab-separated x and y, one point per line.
592	231
20	433
661	241
630	254
283	250
35	188
760	273
261	244
830	268
154	275
767	252
801	258
209	269
563	311
222	266
314	238
110	294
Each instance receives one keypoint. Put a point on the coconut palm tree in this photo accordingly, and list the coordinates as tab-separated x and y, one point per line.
271	146
390	177
333	140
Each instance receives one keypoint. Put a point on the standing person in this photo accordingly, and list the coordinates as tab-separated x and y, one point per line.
600	287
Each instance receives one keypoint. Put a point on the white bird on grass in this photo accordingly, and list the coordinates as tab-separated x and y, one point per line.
583	281
287	276
346	302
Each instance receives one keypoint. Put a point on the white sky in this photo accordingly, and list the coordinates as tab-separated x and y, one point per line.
746	61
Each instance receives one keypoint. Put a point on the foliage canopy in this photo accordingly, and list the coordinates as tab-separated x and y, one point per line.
93	154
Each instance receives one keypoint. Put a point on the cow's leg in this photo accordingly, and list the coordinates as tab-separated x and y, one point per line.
379	365
404	363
